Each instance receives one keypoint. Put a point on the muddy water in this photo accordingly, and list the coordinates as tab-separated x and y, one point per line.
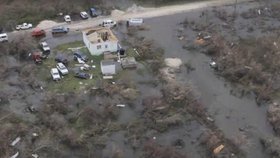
240	119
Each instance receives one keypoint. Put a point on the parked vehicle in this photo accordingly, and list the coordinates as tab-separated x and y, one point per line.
45	47
61	59
62	68
82	75
84	15
3	37
79	55
134	22
24	26
37	57
59	29
213	65
108	23
67	18
55	74
37	32
93	12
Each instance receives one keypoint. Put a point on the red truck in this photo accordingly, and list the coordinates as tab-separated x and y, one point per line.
37	57
37	32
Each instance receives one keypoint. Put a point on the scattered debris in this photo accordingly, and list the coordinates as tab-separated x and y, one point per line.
120	105
273	114
181	38
110	56
31	109
107	77
35	134
35	155
207	37
15	141
15	155
218	149
213	65
259	11
136	51
210	119
271	145
199	41
80	61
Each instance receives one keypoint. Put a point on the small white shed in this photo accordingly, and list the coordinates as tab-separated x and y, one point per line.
108	67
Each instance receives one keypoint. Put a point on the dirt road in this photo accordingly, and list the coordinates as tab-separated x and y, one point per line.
141	13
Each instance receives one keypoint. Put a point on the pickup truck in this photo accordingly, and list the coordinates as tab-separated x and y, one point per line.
24	26
45	47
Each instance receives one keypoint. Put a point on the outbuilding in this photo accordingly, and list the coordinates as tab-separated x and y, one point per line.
108	67
128	62
134	22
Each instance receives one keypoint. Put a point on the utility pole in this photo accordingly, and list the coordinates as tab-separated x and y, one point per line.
235	8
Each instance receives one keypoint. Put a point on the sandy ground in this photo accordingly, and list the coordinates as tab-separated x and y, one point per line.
173	62
47	24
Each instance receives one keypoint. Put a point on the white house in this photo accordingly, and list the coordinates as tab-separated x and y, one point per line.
99	40
108	67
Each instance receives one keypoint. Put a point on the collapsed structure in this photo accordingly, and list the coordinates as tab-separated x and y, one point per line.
99	40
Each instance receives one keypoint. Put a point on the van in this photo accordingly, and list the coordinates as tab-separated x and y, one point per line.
134	22
109	23
3	37
60	29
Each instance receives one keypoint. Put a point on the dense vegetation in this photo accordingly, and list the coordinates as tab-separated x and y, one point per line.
17	11
14	12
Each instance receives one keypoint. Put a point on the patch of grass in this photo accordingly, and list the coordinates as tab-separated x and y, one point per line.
141	72
64	47
70	83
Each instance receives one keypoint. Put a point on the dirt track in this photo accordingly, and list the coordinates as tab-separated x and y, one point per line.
142	13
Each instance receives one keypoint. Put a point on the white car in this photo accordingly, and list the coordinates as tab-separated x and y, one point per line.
109	23
84	15
67	18
62	68
45	47
55	74
24	26
3	37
